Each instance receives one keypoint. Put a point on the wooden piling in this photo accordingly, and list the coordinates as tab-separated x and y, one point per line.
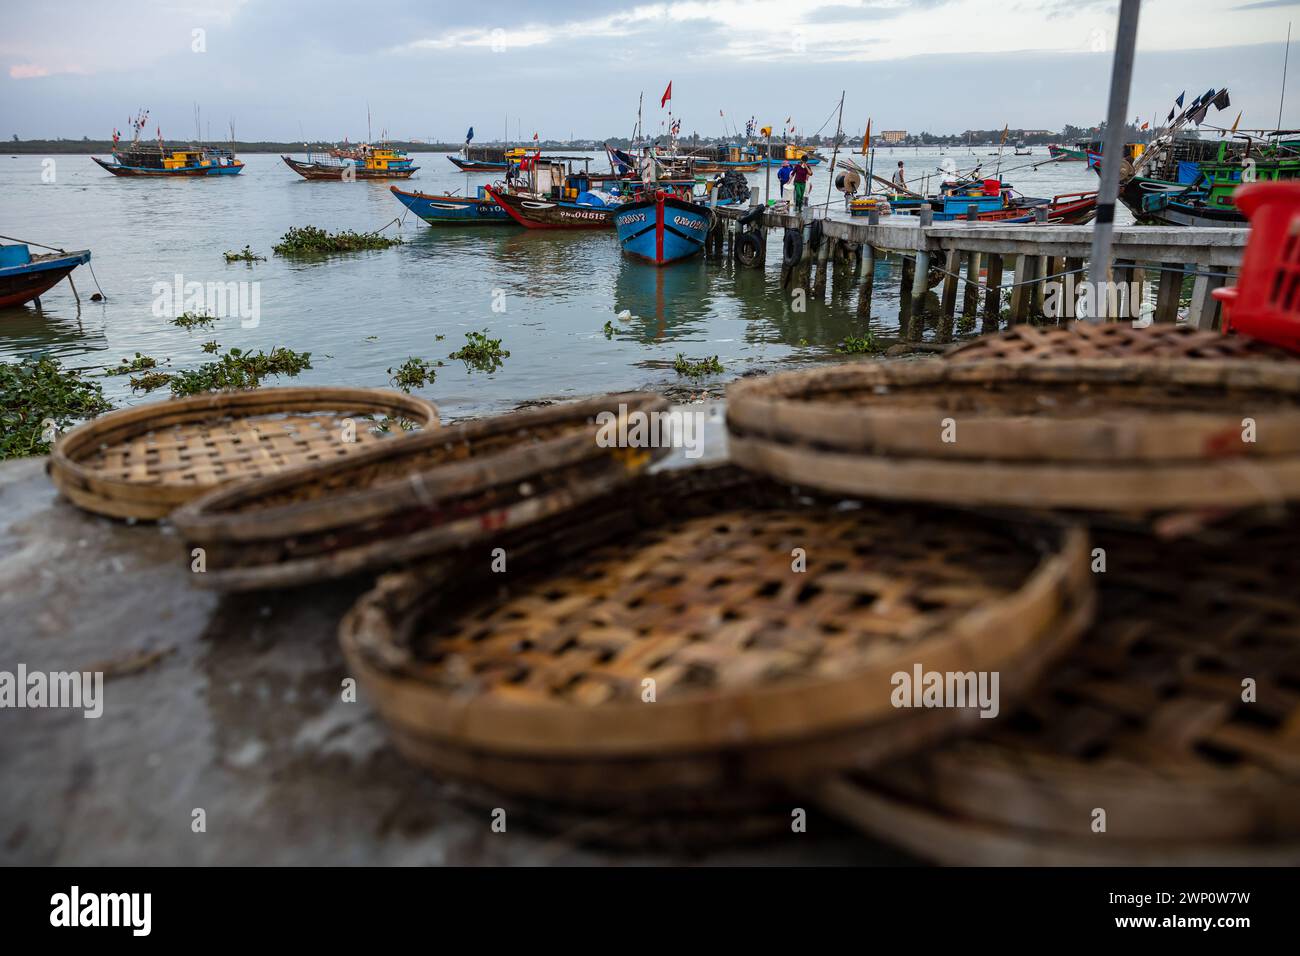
1022	291
993	293
1171	287
1204	312
952	270
868	278
971	293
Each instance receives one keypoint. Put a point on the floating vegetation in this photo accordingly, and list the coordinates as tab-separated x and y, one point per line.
609	330
382	426
141	363
194	320
692	369
439	338
210	347
149	381
38	399
239	370
246	256
480	352
309	240
859	344
413	373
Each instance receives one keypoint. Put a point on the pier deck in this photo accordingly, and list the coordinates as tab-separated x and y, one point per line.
986	259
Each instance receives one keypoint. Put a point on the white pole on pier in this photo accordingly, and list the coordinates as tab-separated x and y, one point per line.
1112	155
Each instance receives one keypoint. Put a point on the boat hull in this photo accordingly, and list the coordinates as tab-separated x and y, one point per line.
184	172
453	210
1063	154
478	166
662	230
23	283
336	172
536	213
1159	203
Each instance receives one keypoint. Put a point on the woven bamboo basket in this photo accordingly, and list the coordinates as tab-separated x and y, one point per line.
1144	719
1109	434
146	461
534	683
434	492
1113	340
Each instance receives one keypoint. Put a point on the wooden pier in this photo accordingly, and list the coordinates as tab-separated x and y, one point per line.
974	263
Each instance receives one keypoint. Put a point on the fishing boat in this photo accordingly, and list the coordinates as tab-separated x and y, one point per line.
1077	153
488	159
662	227
446	210
148	159
24	277
363	162
548	194
720	159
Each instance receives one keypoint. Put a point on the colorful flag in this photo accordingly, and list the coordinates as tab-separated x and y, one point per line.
534	137
668	95
1179	101
1146	125
1221	101
1235	122
469	136
866	139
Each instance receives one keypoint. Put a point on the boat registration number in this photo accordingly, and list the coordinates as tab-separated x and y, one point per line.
688	222
631	218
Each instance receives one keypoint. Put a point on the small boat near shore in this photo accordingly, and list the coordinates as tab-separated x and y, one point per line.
24	277
662	227
362	162
447	210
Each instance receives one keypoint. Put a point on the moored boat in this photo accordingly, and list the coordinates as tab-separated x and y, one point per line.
488	159
24	277
445	210
363	162
547	194
186	162
662	227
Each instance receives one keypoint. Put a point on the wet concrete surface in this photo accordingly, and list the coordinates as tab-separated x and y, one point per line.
233	705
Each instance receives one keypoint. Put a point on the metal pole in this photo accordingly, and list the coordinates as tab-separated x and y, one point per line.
1286	59
1121	76
839	126
767	166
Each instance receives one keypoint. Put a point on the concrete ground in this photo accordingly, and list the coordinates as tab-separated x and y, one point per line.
232	705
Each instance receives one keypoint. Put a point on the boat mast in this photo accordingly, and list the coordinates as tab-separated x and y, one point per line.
839	126
1282	96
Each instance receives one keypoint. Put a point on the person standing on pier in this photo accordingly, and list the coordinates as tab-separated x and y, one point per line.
802	173
783	176
899	179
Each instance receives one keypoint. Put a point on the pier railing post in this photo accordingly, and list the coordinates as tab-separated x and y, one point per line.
1171	287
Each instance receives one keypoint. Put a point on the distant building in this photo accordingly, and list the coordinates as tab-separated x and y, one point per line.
894	135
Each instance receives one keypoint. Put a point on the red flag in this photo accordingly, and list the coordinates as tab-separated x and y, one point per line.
668	95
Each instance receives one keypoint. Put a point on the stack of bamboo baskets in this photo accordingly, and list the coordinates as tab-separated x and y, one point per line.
565	627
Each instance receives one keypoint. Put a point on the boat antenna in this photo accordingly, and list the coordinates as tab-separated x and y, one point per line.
1282	96
839	126
1112	150
367	121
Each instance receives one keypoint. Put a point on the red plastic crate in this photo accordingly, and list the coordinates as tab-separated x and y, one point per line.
1265	302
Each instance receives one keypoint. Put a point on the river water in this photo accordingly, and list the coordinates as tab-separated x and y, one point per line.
546	295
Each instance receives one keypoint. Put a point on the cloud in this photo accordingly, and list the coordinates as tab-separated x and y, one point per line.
27	71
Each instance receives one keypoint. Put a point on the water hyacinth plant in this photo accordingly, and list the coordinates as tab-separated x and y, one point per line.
247	255
38	399
413	373
312	240
480	353
692	369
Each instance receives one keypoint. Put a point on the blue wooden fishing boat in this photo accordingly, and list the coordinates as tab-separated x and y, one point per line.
24	277
443	210
662	228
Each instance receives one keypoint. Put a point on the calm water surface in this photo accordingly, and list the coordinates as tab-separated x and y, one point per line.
362	314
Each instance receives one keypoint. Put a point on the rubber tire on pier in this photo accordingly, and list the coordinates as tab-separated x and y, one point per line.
748	251
815	235
792	247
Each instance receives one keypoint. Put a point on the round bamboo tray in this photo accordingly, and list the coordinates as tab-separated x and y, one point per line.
1109	434
534	683
433	492
146	461
1144	719
1114	340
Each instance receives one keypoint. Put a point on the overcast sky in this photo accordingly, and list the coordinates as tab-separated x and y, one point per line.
290	69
